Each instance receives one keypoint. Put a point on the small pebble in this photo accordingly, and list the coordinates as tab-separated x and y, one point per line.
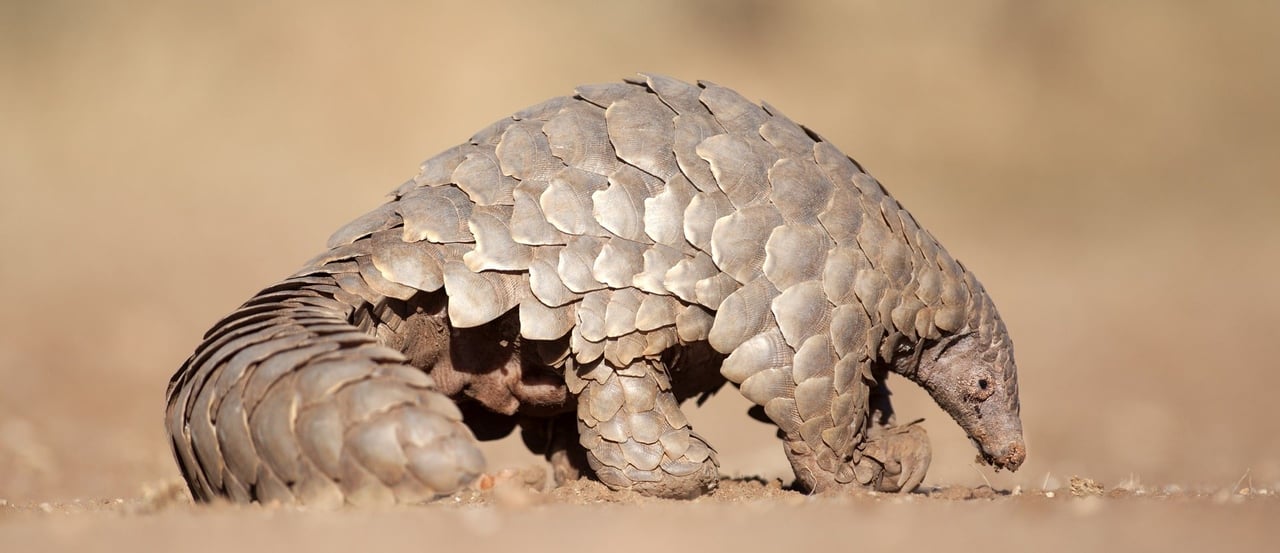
1049	495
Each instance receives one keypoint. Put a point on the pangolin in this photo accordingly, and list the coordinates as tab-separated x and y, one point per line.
578	270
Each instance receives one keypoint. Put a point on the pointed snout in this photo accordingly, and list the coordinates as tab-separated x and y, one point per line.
1010	456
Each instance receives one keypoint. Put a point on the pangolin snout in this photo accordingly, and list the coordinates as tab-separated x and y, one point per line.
1010	456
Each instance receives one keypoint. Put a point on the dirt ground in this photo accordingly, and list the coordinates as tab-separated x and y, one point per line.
1109	170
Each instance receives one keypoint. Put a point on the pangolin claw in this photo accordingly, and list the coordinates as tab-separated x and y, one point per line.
903	453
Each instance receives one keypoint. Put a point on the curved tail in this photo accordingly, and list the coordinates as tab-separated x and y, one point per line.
292	398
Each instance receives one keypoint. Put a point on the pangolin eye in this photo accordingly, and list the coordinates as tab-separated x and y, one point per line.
982	383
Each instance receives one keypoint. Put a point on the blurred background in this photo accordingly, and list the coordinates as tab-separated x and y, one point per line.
1111	171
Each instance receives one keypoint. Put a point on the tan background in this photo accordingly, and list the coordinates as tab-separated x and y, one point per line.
1111	173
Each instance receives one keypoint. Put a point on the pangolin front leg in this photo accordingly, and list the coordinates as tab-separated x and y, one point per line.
876	454
833	414
634	433
888	458
894	458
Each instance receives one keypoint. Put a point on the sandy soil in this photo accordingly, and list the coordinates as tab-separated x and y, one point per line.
743	515
1109	172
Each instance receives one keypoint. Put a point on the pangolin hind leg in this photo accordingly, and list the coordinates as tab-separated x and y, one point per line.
634	433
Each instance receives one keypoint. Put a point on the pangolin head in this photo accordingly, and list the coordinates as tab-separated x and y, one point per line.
972	375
